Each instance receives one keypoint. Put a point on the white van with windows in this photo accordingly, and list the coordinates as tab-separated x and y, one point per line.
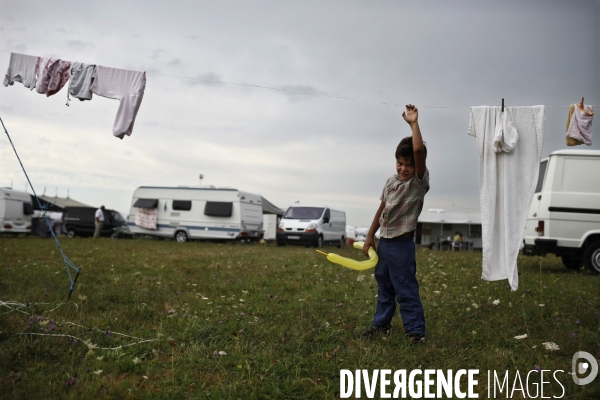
186	213
564	218
312	226
15	211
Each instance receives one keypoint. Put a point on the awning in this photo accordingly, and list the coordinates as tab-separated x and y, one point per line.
146	203
270	208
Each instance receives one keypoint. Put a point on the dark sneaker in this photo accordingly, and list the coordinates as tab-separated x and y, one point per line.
376	329
416	339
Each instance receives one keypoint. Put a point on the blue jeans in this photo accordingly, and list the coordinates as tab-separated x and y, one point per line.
396	280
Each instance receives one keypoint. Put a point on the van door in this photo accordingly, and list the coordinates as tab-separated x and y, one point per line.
534	211
327	225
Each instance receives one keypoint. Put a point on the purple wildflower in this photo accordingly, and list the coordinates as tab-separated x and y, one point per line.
108	333
537	367
574	335
577	322
171	311
177	293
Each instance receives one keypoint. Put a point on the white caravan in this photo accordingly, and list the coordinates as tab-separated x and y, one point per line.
15	211
564	218
312	225
196	213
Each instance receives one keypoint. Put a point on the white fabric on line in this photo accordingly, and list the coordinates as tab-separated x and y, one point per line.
507	184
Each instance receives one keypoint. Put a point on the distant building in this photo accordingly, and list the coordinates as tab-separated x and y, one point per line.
437	225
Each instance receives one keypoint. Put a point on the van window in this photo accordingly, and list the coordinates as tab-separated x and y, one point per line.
183	205
542	173
218	208
27	209
580	175
117	217
303	213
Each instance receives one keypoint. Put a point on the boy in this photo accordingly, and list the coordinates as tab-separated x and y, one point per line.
401	204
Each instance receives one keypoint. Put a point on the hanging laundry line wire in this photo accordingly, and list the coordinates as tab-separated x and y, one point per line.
43	209
306	93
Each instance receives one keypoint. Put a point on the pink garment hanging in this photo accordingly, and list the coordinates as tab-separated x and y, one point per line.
52	74
580	127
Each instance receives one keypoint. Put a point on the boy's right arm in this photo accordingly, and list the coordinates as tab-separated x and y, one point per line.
370	242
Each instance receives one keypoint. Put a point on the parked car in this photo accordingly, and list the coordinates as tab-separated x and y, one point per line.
312	225
79	221
564	218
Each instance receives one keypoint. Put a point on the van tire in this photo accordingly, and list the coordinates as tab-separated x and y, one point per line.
573	264
591	257
181	236
70	233
342	242
320	242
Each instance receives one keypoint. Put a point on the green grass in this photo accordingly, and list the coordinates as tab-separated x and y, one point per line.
286	318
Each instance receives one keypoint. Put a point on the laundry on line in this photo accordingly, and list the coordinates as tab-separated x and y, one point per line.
49	75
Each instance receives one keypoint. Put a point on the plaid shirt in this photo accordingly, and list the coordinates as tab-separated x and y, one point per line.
403	204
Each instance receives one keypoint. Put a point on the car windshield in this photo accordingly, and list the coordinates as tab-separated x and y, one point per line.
118	217
303	213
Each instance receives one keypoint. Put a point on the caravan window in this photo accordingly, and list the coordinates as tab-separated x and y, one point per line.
182	205
146	203
218	208
27	209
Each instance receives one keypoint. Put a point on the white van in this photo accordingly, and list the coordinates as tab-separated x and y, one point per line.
198	213
15	211
564	218
312	225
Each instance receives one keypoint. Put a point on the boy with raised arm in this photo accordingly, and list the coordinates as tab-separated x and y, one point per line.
401	204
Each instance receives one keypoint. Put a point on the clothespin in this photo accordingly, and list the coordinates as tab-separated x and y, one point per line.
502	105
581	103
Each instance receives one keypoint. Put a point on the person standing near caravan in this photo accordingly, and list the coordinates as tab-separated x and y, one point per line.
99	221
401	204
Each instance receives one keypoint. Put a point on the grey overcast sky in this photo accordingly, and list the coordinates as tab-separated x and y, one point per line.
289	147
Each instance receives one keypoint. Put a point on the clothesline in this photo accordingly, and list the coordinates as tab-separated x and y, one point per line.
308	93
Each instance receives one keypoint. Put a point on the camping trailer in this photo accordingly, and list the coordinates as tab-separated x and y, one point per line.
15	211
184	213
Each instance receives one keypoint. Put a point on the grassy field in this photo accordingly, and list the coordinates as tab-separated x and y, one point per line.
260	321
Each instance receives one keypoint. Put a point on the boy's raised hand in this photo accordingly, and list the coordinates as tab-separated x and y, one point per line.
411	115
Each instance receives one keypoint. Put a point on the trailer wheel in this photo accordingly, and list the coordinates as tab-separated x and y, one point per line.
181	236
591	257
571	263
70	233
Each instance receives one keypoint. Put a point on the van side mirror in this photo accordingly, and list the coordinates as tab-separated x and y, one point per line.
325	220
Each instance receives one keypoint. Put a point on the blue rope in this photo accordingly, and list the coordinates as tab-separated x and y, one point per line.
43	209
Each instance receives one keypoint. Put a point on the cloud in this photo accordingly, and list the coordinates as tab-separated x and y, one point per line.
156	53
208	79
80	46
302	92
175	61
